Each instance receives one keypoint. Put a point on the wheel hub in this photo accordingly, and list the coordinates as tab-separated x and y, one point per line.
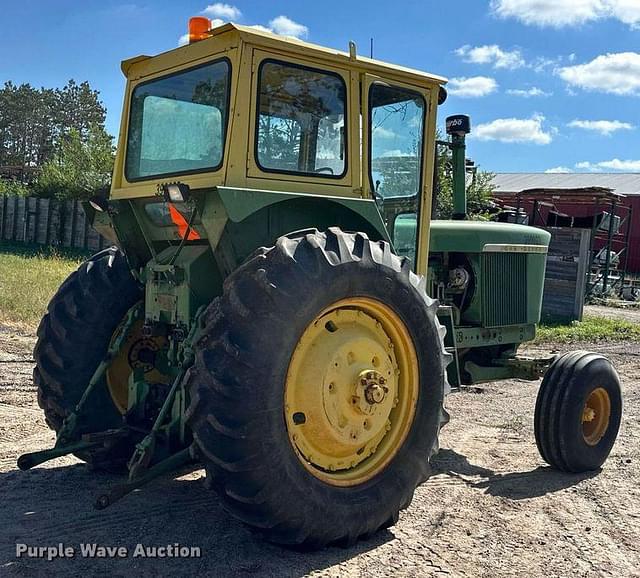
342	392
596	414
370	390
137	353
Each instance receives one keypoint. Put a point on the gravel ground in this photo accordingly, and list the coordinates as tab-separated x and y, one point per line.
624	313
492	508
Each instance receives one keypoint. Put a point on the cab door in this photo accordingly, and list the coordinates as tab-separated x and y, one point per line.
397	168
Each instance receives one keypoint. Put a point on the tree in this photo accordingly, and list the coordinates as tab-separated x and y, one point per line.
35	124
479	188
13	188
78	108
81	168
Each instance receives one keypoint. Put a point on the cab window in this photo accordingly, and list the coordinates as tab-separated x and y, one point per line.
396	129
178	122
396	120
301	120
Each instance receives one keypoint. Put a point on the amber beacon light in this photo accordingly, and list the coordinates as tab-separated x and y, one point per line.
199	27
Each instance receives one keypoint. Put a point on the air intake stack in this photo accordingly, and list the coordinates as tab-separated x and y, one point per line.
458	127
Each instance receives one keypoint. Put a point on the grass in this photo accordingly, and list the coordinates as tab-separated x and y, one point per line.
29	276
591	329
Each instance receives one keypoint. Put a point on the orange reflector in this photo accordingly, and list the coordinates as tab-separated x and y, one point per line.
180	222
199	27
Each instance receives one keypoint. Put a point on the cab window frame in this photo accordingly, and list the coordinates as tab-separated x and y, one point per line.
256	139
224	123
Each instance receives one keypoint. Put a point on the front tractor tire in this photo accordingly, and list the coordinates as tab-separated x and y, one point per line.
318	386
73	338
578	412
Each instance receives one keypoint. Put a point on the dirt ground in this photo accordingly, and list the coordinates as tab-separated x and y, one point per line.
627	313
492	507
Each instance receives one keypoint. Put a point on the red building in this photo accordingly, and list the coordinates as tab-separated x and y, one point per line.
508	186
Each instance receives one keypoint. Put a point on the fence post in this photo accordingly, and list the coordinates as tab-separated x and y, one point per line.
15	219
74	217
4	210
36	218
47	223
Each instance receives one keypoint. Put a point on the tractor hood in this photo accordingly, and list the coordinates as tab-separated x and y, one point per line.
473	236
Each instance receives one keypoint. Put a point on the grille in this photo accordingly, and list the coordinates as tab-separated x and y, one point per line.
504	289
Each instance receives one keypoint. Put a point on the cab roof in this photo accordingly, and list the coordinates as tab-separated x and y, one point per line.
262	38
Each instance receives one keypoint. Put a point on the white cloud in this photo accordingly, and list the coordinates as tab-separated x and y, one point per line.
515	130
617	73
542	63
261	28
587	166
528	93
630	166
491	54
556	13
628	11
393	153
604	127
382	132
223	11
558	170
560	13
287	27
284	26
473	87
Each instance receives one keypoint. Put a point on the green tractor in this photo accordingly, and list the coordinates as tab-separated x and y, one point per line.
279	306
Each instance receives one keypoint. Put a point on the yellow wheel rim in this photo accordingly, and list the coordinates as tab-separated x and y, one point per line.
351	391
595	416
137	352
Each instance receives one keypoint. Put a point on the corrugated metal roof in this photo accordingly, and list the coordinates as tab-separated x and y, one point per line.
624	183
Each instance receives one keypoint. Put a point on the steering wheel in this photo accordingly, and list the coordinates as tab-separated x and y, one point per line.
325	169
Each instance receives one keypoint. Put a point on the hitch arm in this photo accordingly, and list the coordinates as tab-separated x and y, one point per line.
28	461
88	441
118	492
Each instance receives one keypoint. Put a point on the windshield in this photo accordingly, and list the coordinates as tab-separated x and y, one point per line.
177	123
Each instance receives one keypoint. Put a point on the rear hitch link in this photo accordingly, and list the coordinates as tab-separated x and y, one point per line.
139	473
119	491
65	443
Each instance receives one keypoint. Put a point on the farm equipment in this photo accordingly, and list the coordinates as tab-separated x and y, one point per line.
278	304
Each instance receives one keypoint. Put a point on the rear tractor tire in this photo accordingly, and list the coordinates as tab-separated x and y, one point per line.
318	386
578	412
73	338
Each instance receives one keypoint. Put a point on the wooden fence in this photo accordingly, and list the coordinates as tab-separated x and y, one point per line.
47	222
566	274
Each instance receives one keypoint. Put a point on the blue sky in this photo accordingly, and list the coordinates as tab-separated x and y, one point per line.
549	84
